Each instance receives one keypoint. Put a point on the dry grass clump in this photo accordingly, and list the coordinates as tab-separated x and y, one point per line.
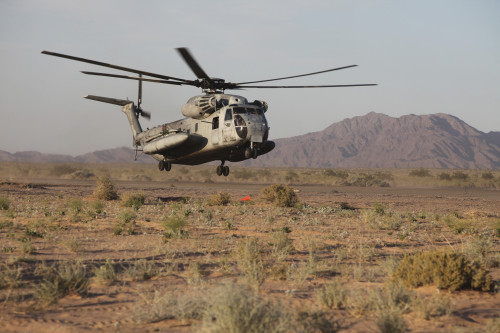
105	189
105	274
141	270
420	172
237	309
125	223
332	296
134	200
445	270
155	306
173	227
58	282
10	277
219	199
4	203
279	195
250	261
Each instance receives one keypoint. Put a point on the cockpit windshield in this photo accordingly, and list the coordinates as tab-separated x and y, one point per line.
242	110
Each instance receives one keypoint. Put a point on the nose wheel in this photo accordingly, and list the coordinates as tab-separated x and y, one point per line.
164	165
222	170
251	152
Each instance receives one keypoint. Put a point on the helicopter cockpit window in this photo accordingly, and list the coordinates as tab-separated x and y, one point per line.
239	110
228	115
215	123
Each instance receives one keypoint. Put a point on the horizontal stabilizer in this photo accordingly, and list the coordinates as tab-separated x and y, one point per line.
115	101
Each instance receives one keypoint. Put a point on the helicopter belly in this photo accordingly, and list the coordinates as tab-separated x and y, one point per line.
166	143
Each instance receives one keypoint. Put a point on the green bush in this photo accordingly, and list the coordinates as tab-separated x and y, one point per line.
135	200
105	189
487	175
448	270
280	195
444	176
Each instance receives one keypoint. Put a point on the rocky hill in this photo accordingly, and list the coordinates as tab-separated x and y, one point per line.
374	140
379	141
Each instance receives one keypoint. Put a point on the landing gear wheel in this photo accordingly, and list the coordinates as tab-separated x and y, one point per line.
161	165
220	170
254	154
225	171
168	166
248	153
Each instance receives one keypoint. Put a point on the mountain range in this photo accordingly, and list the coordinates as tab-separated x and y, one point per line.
374	140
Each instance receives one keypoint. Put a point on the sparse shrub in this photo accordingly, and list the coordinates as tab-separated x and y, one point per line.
420	172
346	206
219	199
134	200
332	296
342	174
279	195
28	247
445	270
105	274
390	321
155	306
379	209
236	309
59	282
173	227
10	277
282	245
105	189
251	263
444	176
487	175
125	223
141	270
435	306
316	321
4	203
459	175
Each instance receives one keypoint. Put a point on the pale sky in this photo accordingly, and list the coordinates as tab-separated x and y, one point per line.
427	57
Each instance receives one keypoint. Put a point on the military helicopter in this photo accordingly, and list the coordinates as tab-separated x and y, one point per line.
218	126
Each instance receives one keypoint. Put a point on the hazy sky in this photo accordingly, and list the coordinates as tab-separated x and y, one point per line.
427	57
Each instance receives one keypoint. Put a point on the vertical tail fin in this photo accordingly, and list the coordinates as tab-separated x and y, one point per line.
129	109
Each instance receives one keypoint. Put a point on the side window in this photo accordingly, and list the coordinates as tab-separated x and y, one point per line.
215	123
228	116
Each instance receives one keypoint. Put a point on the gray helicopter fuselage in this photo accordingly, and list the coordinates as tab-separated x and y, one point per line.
223	132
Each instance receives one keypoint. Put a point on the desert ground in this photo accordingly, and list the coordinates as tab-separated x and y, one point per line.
181	252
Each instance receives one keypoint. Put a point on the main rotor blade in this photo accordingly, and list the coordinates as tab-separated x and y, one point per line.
98	63
301	75
134	78
193	64
320	86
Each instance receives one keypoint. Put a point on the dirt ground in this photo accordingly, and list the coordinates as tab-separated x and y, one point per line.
340	243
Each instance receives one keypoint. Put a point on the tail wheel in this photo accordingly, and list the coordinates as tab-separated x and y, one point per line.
225	171
220	170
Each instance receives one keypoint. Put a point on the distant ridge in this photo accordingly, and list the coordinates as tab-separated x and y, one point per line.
374	140
116	155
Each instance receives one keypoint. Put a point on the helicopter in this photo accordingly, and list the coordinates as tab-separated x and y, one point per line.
217	126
